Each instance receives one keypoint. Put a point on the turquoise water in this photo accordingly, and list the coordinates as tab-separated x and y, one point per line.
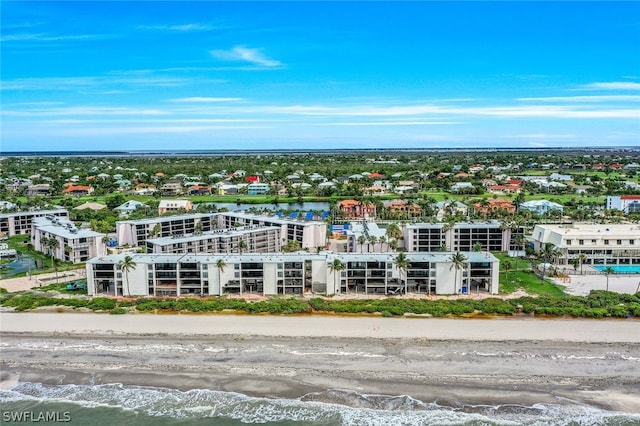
620	269
111	404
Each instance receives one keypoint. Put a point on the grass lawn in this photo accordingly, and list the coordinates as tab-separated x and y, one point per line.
524	278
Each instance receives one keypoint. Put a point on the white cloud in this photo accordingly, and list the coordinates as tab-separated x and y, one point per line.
393	123
595	98
245	54
48	37
179	28
199	99
612	85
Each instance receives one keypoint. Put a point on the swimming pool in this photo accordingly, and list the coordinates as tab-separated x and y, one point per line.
620	269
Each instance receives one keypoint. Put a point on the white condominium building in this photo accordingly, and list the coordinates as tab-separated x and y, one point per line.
20	222
612	244
74	245
136	232
292	273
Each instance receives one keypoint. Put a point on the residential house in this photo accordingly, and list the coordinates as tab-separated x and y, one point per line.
494	205
169	206
41	189
541	207
357	209
78	190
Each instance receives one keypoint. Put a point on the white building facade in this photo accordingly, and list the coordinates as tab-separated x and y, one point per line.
612	244
293	273
17	223
74	245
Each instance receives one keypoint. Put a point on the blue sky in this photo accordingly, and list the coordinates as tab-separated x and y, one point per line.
243	75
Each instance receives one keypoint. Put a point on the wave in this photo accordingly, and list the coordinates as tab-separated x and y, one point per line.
332	407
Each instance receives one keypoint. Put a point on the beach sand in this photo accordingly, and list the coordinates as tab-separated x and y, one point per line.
443	360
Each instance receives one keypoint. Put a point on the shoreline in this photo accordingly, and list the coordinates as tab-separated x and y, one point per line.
337	360
449	373
445	329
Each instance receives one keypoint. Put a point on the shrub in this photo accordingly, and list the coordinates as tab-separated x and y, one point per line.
117	311
101	304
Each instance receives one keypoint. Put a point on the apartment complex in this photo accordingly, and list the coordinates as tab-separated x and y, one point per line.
463	236
17	223
253	238
309	233
613	244
74	245
137	232
199	230
293	273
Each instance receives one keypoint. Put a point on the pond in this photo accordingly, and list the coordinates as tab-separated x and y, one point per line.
22	263
304	207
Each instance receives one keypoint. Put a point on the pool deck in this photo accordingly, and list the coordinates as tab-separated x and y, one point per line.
581	285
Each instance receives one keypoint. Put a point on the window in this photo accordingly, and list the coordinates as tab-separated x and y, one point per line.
619	242
606	242
568	242
632	242
581	242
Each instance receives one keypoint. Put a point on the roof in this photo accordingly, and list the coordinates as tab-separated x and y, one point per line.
73	188
92	206
130	205
630	197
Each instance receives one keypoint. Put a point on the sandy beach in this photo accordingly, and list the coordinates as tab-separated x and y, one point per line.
445	360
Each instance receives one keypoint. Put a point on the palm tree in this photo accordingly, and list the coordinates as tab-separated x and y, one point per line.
506	265
608	271
336	266
382	240
394	231
582	258
373	240
52	244
361	241
458	261
393	244
520	241
477	247
126	265
402	263
105	241
220	264
242	245
547	253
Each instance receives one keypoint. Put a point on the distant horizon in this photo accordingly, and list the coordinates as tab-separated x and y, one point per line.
318	75
239	151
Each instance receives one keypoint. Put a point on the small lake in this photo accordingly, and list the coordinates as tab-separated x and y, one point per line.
303	207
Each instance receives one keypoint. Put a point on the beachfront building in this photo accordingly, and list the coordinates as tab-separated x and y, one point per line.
601	244
624	203
311	234
17	223
73	244
292	273
462	236
136	232
253	239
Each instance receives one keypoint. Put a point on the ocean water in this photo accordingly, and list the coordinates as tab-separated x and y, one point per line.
117	404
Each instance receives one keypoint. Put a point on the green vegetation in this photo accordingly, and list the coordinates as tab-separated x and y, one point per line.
598	304
519	276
